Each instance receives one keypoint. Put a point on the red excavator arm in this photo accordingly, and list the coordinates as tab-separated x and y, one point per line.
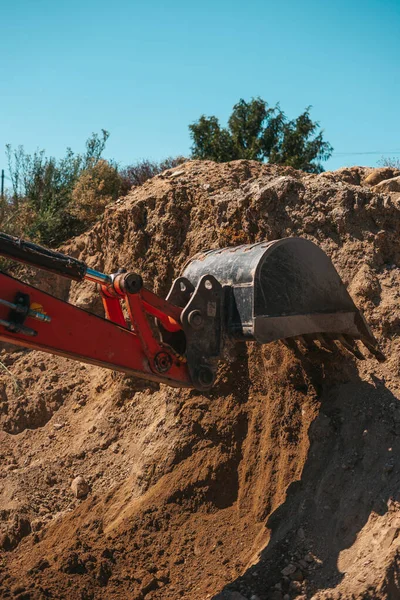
35	319
284	290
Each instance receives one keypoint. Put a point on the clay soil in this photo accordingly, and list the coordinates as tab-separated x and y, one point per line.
281	482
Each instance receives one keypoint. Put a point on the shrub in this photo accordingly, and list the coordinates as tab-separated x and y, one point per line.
42	190
54	199
143	170
392	162
96	187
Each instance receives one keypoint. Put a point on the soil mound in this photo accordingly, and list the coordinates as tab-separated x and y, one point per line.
281	482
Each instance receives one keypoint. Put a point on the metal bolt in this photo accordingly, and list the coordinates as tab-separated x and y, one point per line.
162	362
205	376
195	319
133	283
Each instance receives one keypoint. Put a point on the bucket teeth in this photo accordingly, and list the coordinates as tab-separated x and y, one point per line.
325	342
350	345
307	343
303	342
374	350
290	343
309	340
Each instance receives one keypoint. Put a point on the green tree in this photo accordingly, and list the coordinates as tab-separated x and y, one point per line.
256	131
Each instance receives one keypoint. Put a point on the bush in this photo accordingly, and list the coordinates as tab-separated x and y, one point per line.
43	188
52	200
394	163
96	187
143	170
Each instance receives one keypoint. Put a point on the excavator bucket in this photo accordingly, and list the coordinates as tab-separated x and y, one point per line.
284	290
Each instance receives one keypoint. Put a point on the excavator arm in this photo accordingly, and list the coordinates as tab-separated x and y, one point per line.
284	290
32	318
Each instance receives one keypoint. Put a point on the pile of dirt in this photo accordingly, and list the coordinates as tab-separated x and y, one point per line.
281	482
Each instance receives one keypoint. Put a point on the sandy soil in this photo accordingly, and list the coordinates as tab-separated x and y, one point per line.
281	482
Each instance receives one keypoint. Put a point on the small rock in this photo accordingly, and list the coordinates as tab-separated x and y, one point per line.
388	467
297	575
388	538
309	557
80	487
176	174
379	175
50	479
58	425
5	542
36	524
42	565
19	589
289	570
72	564
295	586
388	185
303	564
301	534
104	572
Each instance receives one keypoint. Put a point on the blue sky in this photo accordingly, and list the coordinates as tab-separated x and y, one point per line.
145	70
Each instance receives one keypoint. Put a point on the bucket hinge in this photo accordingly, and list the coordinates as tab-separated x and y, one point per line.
202	323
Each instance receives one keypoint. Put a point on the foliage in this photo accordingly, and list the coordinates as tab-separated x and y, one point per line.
12	219
392	162
43	190
52	200
258	132
143	170
97	186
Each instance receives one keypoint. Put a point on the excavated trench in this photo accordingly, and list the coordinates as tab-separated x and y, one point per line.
281	482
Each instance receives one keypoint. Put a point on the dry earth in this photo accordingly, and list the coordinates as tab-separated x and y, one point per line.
282	482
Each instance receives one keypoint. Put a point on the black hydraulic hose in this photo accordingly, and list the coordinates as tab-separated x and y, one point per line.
50	260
